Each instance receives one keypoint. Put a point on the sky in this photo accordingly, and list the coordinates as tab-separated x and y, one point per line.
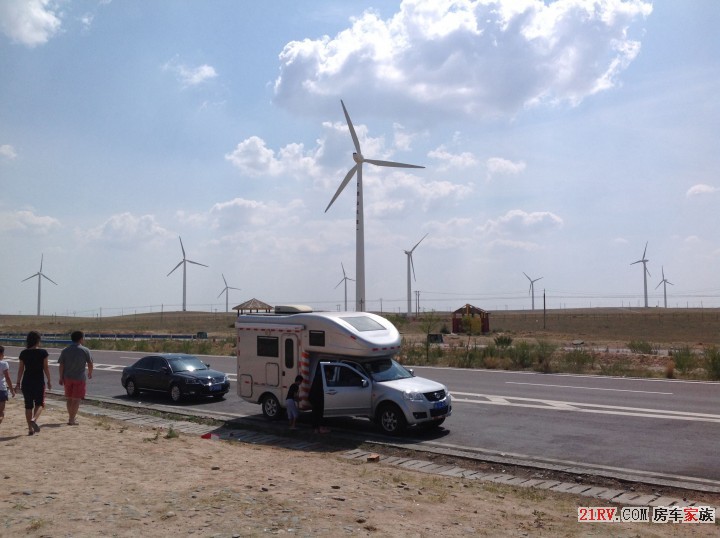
558	140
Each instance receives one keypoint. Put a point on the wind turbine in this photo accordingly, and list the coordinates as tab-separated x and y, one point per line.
532	288
226	291
345	278
40	275
184	263
646	273
664	282
360	303
410	266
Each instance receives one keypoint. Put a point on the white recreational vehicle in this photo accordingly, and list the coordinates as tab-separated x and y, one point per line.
352	351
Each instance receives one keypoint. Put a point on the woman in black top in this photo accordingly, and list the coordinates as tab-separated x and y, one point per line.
32	372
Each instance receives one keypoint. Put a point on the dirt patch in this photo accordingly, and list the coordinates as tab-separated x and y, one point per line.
106	477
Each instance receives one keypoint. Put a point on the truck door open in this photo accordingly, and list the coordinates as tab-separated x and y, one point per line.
347	391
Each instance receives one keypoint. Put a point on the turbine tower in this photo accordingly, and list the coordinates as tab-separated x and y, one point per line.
226	291
646	273
532	288
184	263
40	275
410	266
664	282
345	278
360	302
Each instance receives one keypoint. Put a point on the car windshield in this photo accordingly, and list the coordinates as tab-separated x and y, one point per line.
186	364
386	370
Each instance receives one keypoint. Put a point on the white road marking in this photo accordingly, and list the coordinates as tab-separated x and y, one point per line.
579	407
587	388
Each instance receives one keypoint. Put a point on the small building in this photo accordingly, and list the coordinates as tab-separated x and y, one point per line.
477	318
253	305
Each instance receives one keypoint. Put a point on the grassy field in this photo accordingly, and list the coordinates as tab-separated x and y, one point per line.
517	339
598	326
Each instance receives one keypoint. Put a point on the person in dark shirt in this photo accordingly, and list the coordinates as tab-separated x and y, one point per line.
291	402
32	371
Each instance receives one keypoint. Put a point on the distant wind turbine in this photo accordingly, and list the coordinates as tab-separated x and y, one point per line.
664	282
410	266
226	291
646	273
345	278
360	302
532	288
184	263
40	275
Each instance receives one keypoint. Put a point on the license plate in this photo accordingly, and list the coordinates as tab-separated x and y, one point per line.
215	387
439	405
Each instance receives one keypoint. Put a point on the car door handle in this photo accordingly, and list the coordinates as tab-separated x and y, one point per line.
331	392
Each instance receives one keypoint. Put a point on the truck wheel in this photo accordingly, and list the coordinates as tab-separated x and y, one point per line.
391	420
271	407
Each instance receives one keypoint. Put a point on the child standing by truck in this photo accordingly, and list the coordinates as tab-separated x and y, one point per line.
291	403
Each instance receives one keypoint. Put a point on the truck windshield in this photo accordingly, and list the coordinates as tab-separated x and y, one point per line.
386	370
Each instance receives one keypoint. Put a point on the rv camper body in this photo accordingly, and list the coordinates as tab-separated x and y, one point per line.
353	352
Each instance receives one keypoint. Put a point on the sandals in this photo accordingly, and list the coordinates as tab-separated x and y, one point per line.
35	427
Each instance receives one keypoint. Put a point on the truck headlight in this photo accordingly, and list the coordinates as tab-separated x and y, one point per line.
414	396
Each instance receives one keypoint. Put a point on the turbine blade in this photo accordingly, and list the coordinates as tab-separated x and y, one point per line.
524	273
341	281
391	163
644	251
412	266
178	265
231	288
343	269
416	244
223	291
223	275
352	129
669	282
196	263
31	276
48	278
344	183
656	287
182	247
41	261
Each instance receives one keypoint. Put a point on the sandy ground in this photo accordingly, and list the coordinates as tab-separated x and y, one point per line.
108	478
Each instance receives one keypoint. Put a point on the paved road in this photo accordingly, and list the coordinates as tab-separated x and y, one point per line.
667	429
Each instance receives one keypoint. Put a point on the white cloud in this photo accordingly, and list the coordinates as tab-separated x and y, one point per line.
127	229
29	22
7	151
452	160
27	221
241	212
700	190
190	76
475	58
498	166
519	222
254	158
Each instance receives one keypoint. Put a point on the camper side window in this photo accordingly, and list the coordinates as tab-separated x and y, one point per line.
268	346
317	338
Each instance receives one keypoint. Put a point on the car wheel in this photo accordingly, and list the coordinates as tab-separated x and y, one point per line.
391	420
131	388
175	393
271	407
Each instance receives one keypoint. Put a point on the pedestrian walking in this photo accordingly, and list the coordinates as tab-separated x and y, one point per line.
32	372
5	383
72	364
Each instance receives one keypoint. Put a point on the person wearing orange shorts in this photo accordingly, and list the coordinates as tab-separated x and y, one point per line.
73	360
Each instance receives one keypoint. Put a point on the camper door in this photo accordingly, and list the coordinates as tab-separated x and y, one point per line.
347	391
289	361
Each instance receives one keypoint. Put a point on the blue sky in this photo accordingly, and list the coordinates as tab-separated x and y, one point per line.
558	138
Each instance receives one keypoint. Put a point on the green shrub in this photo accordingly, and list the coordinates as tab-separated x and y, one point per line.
503	341
712	362
521	355
642	347
543	354
577	361
685	359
